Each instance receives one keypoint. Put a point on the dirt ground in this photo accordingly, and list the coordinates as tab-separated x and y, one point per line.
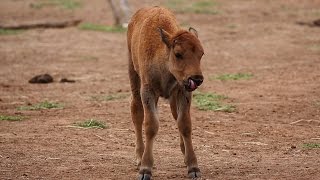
278	110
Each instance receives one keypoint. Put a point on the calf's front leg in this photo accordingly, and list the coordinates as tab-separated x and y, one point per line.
151	126
174	111
185	129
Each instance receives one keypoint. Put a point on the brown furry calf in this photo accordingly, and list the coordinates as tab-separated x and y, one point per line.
164	61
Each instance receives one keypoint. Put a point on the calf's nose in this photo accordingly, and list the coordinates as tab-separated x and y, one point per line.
198	79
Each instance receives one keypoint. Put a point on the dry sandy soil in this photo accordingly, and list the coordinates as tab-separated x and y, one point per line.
278	110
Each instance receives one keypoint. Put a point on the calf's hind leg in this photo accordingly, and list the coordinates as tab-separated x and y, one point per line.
136	112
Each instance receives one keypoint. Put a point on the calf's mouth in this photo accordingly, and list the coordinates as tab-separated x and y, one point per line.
193	82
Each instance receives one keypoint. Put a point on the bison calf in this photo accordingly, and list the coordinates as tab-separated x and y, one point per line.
164	61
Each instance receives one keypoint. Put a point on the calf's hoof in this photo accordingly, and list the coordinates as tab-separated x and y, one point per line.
144	174
144	177
194	173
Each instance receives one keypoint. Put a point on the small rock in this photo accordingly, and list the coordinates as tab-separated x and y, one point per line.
42	78
316	22
65	80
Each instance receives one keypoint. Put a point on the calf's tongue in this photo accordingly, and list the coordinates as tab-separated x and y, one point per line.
192	85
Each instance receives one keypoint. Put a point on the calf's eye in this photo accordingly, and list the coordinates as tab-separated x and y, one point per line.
178	56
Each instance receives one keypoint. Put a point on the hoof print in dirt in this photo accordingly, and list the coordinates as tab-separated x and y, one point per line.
194	173
42	79
65	80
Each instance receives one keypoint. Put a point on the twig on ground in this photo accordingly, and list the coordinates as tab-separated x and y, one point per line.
50	158
101	138
256	143
118	129
209	132
318	138
295	122
70	126
42	24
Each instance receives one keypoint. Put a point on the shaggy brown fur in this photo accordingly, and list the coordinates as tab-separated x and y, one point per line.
164	61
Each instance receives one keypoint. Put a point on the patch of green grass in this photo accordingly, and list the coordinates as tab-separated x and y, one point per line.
89	58
203	7
174	4
10	118
232	26
110	97
185	24
211	101
66	4
311	145
285	8
102	28
198	7
10	31
317	13
315	47
42	105
237	76
91	123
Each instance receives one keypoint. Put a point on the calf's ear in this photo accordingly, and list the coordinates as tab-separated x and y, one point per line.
165	36
193	31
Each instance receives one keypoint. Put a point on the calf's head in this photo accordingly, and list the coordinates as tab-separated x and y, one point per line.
185	53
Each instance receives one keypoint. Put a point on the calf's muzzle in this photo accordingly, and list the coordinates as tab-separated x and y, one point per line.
193	82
